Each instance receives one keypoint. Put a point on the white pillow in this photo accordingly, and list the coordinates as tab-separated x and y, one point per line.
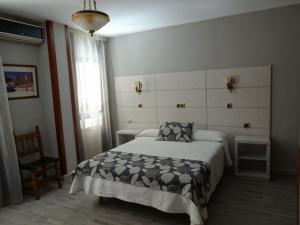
208	135
148	133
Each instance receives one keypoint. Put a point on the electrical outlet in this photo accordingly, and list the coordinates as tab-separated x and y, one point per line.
246	125
229	105
180	106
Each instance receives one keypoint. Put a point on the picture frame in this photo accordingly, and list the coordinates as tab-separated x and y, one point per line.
21	81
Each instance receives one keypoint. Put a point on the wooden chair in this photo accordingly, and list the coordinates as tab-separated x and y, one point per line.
30	146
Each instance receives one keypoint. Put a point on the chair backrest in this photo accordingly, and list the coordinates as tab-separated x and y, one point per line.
29	144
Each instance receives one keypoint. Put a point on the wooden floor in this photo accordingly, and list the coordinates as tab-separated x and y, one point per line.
236	202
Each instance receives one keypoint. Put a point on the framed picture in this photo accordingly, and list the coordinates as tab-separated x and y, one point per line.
21	81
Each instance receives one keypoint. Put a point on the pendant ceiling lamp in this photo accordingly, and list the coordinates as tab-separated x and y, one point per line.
90	19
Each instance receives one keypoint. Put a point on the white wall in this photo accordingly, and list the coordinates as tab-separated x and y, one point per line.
47	99
270	37
27	113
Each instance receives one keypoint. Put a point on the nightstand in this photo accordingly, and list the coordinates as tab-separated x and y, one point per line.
252	156
127	135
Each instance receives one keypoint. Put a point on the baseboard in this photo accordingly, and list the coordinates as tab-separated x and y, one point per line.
280	171
284	171
273	170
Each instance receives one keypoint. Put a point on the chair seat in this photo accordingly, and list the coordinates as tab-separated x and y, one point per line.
33	165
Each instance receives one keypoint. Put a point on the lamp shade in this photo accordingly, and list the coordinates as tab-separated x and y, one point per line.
90	20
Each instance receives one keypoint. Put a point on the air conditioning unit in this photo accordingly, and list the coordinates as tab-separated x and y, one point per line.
19	31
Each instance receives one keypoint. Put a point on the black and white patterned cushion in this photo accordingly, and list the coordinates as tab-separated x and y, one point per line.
175	131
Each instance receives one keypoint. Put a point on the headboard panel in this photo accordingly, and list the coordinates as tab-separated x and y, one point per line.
246	77
129	114
189	89
204	98
126	84
195	80
196	115
250	100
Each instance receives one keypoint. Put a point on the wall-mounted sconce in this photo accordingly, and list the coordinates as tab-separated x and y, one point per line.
138	87
230	81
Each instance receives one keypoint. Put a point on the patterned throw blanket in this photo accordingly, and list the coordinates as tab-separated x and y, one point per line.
188	178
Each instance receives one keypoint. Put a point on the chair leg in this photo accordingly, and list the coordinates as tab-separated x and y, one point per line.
35	185
57	175
44	172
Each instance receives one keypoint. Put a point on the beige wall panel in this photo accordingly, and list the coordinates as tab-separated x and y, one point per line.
230	131
191	98
253	97
258	118
197	115
240	97
132	99
253	131
181	81
124	125
221	117
245	77
127	83
135	115
220	97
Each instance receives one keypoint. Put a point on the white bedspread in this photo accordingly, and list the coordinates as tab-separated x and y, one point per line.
206	151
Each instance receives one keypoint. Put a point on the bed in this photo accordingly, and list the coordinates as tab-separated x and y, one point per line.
208	147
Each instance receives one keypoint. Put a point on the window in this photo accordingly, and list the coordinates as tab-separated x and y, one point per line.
88	79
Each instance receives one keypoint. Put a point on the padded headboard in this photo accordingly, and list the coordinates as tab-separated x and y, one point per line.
206	100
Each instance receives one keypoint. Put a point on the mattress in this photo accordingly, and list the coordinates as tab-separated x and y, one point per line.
210	152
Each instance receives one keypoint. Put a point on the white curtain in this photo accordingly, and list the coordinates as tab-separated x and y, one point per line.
92	94
10	181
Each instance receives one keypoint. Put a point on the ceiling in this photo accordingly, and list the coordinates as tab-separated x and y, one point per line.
131	16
